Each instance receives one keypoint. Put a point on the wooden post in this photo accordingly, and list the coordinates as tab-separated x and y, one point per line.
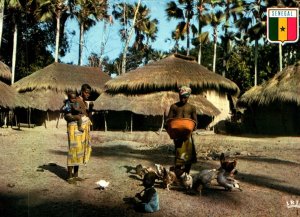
162	124
29	117
131	123
105	124
58	120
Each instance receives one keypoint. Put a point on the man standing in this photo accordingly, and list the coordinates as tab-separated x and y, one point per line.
185	149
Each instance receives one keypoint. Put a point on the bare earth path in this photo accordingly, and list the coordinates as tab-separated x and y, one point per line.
33	172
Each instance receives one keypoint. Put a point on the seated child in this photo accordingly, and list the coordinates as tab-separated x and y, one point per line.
149	200
72	110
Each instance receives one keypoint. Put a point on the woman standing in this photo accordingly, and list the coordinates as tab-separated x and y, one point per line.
79	149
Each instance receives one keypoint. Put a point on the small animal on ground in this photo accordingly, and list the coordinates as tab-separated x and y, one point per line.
203	179
169	178
227	165
227	182
159	171
141	170
186	181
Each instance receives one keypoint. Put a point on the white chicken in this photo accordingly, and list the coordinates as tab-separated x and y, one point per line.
102	184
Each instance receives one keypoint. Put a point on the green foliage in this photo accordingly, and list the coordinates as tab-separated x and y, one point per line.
238	69
35	43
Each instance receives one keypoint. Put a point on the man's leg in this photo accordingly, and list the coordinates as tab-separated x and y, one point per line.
194	153
187	168
70	178
76	177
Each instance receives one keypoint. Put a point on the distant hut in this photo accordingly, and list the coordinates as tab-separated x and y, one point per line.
8	96
46	88
274	107
154	87
5	73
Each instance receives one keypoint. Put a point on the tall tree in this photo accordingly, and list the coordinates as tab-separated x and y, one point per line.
2	7
33	40
53	10
182	11
253	24
233	9
88	12
135	19
16	8
214	19
203	37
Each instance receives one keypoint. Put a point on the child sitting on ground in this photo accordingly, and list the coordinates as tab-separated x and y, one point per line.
149	200
72	110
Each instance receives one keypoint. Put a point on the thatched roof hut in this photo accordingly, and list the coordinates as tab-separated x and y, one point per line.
151	104
5	73
9	98
46	88
284	87
168	74
44	99
151	89
61	77
274	106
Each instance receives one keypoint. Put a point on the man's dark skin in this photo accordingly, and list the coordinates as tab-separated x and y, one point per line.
183	109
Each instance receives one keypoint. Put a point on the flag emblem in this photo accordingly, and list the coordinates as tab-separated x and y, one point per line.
282	25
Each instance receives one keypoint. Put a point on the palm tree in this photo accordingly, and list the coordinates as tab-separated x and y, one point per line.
135	18
87	13
128	17
183	11
15	8
2	6
214	19
202	36
253	25
233	9
57	10
149	29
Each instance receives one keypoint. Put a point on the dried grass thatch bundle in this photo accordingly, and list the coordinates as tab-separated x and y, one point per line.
44	99
5	72
9	97
151	104
284	87
167	75
61	77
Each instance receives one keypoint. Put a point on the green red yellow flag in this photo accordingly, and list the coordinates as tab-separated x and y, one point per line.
283	25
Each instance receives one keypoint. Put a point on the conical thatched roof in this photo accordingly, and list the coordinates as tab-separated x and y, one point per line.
4	71
61	77
44	99
9	98
284	86
167	75
151	104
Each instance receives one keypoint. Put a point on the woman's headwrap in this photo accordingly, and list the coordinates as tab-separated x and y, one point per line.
185	91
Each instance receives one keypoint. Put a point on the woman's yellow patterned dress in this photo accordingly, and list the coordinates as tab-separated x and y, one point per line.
79	143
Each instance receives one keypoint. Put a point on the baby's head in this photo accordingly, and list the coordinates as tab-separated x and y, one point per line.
149	179
72	96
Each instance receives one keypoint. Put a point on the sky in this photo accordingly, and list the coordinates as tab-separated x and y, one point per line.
113	46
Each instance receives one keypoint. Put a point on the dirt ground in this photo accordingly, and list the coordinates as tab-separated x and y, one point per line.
33	173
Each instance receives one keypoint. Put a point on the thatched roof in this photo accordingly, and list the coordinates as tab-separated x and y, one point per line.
44	99
9	97
61	77
284	87
151	104
5	72
167	75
